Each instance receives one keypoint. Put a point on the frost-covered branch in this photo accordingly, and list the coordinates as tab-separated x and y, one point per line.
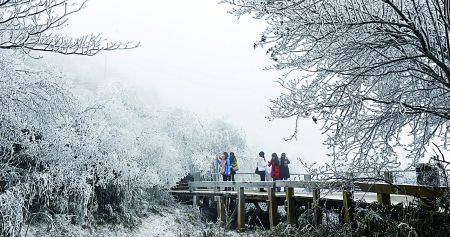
373	72
33	26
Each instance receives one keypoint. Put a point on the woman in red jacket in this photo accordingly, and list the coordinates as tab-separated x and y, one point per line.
275	164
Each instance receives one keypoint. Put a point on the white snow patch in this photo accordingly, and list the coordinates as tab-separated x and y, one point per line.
164	222
171	223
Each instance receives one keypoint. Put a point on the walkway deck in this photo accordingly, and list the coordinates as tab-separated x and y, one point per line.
311	194
252	196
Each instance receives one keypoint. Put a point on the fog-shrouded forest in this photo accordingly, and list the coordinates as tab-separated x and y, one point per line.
70	155
63	148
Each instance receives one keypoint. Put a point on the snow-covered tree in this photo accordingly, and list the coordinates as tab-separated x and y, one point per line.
33	25
67	152
375	73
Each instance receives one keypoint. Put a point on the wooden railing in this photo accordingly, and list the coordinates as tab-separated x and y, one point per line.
383	191
423	191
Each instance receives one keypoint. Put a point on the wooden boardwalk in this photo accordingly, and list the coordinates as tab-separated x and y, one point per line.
299	196
313	194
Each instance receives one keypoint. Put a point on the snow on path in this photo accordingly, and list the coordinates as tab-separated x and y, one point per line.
170	223
178	220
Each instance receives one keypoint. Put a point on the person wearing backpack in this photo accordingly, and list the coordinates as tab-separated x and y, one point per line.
224	167
234	165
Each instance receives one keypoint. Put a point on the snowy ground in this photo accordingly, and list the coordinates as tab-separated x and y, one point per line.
180	221
173	222
177	221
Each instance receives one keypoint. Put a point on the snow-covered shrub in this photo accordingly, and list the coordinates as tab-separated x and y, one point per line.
397	220
91	157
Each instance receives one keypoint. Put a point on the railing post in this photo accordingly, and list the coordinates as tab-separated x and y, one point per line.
273	208
388	177
240	225
307	178
385	198
290	206
346	206
317	220
349	175
195	201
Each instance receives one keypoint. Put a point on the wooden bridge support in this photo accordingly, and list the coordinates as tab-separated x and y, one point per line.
347	197
317	219
384	197
273	208
195	201
221	215
240	225
290	206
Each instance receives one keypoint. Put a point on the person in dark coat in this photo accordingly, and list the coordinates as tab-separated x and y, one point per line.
233	165
284	167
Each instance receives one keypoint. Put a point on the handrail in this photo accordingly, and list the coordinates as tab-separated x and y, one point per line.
326	173
372	187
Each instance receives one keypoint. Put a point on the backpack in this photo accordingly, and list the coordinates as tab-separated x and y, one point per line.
234	165
222	166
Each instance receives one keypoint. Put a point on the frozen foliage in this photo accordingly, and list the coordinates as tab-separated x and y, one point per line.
370	71
98	158
33	25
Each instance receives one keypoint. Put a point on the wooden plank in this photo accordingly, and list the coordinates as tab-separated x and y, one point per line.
261	184
290	206
240	225
273	208
317	218
364	186
229	184
256	196
382	188
412	190
302	184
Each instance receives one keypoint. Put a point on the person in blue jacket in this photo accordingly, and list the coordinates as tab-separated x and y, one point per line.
224	163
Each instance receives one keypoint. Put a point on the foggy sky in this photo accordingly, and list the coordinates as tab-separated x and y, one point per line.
196	56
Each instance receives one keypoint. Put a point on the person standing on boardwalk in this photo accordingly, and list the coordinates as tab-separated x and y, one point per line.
261	168
275	172
284	167
234	165
224	167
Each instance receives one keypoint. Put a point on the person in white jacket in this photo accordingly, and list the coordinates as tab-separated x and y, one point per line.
261	168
